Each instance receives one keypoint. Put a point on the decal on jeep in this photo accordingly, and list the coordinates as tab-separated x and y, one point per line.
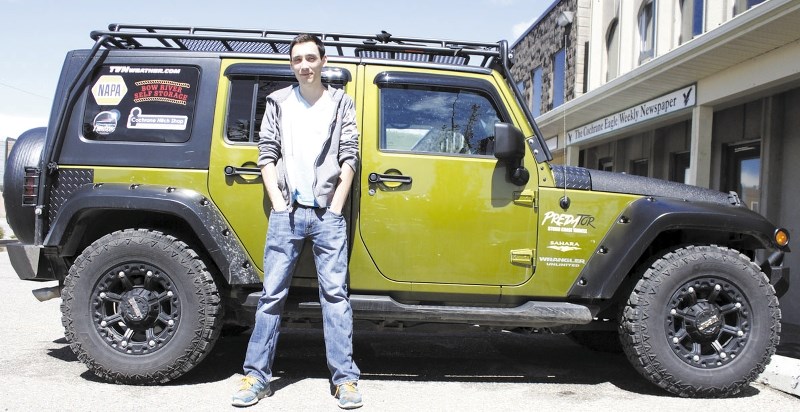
562	262
562	246
137	120
105	122
109	90
159	102
161	91
569	223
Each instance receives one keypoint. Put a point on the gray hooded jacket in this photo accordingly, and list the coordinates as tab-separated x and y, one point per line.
341	146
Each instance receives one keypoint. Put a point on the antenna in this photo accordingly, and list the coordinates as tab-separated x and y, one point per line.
564	20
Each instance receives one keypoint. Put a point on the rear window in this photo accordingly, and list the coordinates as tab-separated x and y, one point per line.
141	103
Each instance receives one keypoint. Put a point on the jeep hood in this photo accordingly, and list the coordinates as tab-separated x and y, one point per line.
586	179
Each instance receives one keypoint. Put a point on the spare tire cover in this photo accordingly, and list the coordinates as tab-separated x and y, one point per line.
27	152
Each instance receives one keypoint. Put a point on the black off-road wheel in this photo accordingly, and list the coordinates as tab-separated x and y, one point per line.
702	322
140	307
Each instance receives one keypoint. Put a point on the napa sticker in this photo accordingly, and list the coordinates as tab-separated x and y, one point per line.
138	120
562	246
567	223
109	90
105	122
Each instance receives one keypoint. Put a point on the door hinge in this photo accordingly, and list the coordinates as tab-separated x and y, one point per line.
525	198
523	257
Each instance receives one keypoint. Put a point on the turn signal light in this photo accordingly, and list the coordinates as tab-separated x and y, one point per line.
781	237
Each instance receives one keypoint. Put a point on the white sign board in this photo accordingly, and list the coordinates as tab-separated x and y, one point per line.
660	106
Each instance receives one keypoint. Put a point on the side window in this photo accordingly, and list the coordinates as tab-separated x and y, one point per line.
248	100
141	104
437	120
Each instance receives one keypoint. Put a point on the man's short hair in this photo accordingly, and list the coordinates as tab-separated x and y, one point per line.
305	38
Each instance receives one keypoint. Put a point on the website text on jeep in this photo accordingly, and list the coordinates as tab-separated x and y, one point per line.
142	198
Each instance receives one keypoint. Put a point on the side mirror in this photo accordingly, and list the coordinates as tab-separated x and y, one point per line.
509	143
509	147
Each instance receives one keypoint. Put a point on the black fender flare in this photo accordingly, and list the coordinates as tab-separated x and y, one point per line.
643	220
192	207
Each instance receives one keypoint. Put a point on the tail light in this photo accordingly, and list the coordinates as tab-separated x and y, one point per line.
30	186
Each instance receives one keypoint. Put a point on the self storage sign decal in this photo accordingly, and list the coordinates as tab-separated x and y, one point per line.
161	91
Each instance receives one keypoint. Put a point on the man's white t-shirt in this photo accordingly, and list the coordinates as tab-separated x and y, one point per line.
305	128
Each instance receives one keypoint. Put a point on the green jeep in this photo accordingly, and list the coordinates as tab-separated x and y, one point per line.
142	198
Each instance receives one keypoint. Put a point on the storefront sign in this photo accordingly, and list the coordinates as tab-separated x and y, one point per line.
660	106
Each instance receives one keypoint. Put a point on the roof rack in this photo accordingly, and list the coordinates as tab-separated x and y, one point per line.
227	40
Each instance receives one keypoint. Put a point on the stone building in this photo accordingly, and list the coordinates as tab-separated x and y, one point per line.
704	92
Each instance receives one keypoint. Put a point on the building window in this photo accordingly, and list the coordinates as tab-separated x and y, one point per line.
743	172
744	5
647	30
612	50
639	167
679	167
536	91
692	19
605	164
559	77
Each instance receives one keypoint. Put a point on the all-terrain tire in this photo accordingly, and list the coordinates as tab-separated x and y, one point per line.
702	321
140	307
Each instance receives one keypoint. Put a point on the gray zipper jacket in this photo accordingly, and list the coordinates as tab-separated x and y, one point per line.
339	149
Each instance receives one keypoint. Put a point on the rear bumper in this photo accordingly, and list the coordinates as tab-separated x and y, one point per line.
29	262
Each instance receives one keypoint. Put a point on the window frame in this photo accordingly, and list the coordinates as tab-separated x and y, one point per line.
150	135
646	53
536	91
612	35
331	75
482	87
559	78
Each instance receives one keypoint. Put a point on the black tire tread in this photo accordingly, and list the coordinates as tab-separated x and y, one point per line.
210	312
635	336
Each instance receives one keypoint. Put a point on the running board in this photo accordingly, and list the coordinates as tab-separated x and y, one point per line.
530	314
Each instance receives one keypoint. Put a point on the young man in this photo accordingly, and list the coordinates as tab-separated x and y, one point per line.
308	154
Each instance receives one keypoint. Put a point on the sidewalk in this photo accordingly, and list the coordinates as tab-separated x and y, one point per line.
783	374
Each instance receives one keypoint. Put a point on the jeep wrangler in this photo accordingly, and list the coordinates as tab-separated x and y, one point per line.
143	200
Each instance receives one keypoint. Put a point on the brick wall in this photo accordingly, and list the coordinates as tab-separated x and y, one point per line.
537	48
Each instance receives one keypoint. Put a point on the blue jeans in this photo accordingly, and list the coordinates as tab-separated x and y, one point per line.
286	235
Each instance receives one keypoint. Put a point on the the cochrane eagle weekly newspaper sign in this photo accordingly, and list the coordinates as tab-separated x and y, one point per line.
660	106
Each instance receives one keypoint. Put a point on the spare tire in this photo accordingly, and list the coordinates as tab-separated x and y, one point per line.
27	152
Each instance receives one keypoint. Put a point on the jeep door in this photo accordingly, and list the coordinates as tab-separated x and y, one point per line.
436	206
234	179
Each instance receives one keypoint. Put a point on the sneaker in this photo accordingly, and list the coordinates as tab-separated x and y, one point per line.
250	391
348	395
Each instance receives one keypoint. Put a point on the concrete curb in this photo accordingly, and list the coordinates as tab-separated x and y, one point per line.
783	374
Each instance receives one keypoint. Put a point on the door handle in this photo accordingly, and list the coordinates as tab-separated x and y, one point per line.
242	171
381	178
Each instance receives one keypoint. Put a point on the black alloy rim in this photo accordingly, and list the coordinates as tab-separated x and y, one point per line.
707	322
135	308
